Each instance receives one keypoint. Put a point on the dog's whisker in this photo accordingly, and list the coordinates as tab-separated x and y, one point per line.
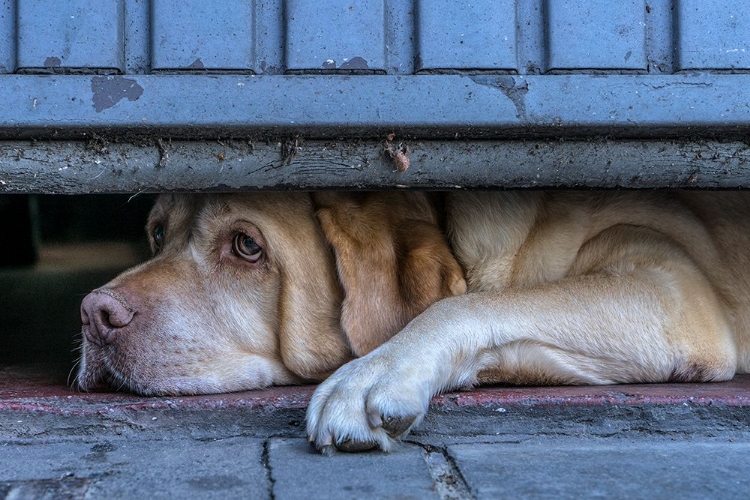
73	369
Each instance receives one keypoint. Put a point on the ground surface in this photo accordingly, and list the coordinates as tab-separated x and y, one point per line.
638	441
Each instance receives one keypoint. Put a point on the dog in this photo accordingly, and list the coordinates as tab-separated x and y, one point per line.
389	298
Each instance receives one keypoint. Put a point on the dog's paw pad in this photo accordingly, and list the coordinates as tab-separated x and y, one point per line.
352	446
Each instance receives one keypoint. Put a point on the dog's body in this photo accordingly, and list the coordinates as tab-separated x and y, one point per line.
250	290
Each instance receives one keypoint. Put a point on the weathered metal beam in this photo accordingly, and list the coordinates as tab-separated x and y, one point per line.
325	106
76	167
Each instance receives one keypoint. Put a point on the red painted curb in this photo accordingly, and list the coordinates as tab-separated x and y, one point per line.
26	389
735	392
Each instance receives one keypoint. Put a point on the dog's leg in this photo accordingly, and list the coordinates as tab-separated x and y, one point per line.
644	325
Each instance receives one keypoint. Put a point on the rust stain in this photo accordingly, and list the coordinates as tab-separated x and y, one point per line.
399	154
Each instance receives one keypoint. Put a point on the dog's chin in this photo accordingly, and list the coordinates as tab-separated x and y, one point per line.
111	380
98	373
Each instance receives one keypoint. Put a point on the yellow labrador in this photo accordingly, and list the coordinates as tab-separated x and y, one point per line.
417	293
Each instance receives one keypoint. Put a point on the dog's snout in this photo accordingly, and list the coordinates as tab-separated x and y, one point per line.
103	313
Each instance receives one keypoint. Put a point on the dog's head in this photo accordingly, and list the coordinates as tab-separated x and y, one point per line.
249	290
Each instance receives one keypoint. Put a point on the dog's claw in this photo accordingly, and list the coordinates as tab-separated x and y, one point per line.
326	441
324	445
398	426
374	419
328	450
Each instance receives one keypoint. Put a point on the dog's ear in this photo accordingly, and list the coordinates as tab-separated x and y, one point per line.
311	342
392	259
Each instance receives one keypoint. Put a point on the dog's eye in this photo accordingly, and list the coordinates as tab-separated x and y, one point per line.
158	235
245	247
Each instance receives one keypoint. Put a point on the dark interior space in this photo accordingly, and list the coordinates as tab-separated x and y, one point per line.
56	249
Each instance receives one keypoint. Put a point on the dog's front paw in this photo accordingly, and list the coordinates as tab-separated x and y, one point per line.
365	404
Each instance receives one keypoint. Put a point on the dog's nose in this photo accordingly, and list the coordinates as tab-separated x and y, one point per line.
103	313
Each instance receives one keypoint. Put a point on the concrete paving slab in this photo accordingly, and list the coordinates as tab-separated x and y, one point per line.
299	473
586	468
563	442
45	489
227	468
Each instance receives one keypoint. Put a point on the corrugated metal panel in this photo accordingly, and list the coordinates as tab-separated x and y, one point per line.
466	35
712	34
198	35
330	36
404	37
76	34
7	36
422	69
596	35
137	37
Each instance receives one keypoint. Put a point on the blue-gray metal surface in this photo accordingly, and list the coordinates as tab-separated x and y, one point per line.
453	36
466	106
279	69
282	36
72	34
712	34
200	35
7	37
331	36
608	37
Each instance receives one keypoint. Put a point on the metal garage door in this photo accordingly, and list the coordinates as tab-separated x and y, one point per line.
129	95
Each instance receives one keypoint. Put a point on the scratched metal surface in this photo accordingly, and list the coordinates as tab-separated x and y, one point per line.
98	166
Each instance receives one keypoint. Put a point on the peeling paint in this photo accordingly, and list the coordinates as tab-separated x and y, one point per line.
269	69
52	62
355	63
197	64
510	87
109	90
348	64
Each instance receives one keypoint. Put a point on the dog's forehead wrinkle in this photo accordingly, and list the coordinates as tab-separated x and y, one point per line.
212	220
194	252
